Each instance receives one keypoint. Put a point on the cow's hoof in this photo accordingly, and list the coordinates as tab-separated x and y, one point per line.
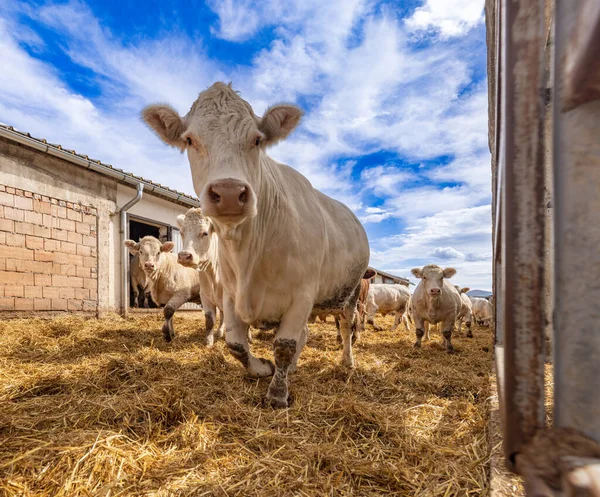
209	341
417	345
469	335
377	328
168	334
450	350
355	338
268	363
339	338
348	362
278	402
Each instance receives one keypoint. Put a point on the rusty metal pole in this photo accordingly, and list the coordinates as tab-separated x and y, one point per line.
577	216
523	218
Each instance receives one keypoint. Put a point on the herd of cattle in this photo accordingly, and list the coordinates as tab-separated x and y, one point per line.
268	250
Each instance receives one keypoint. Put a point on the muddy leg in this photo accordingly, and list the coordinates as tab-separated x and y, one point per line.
419	330
447	327
173	304
210	313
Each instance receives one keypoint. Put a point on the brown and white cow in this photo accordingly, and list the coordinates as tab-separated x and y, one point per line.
435	300
466	311
170	284
200	252
387	298
285	249
137	279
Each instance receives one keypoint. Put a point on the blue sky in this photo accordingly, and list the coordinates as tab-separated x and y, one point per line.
394	95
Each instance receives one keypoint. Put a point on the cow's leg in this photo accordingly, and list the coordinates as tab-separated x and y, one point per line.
136	296
346	326
420	327
336	318
221	329
287	345
447	328
397	319
299	347
210	315
469	319
174	303
236	338
459	328
147	300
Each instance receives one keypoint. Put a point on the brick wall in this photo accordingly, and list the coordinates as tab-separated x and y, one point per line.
48	254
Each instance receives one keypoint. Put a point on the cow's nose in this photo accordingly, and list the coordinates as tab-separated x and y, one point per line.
184	257
149	265
227	197
435	291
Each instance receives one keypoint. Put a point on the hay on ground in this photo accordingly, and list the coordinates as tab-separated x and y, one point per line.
106	408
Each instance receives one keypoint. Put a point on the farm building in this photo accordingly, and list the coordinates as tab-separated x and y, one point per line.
383	277
61	242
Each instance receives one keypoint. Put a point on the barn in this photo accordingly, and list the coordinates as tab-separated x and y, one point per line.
383	277
63	217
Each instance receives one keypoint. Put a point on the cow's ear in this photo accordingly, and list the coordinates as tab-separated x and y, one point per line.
465	289
167	247
449	272
167	124
417	272
211	229
133	247
369	273
278	122
180	219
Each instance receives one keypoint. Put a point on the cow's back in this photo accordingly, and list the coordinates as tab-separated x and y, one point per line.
171	278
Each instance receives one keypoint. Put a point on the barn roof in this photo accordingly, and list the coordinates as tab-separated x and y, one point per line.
86	162
391	276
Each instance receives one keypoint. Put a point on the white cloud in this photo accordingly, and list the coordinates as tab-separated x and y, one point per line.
447	253
449	17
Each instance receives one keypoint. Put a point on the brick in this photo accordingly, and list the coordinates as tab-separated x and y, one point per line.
51	292
62	203
1	291
89	219
89	262
59	304
42	231
43	256
93	294
55	222
13	290
61	257
84	251
75	281
51	245
7	303
2	264
66	293
68	270
46	199
16	253
33	217
15	278
93	251
10	189
25	304
20	192
90	283
59	234
83	272
16	265
75	260
94	273
67	224
74	238
37	196
43	267
24	203
89	241
2	238
42	304
59	280
2	188
90	305
34	242
75	305
7	225
56	268
32	292
82	228
14	214
61	212
7	199
29	194
68	248
42	207
15	240
24	228
74	215
47	220
82	293
43	280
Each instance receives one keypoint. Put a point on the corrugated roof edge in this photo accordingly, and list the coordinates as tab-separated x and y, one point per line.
388	275
81	160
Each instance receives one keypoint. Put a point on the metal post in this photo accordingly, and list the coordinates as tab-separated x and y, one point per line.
124	232
577	216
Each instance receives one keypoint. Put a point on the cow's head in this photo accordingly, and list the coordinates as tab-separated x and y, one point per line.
432	278
460	289
196	233
224	140
150	252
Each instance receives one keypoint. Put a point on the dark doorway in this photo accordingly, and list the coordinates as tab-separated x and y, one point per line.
138	230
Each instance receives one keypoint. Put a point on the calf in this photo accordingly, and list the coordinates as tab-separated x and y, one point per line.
285	249
170	284
435	300
387	298
466	311
137	279
482	311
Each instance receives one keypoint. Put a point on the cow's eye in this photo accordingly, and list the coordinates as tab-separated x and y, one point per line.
189	141
257	141
204	234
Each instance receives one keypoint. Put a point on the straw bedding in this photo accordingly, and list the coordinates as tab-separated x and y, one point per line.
106	408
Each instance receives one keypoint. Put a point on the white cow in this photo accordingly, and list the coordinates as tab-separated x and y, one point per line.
170	284
286	250
435	300
466	311
137	279
482	311
387	298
